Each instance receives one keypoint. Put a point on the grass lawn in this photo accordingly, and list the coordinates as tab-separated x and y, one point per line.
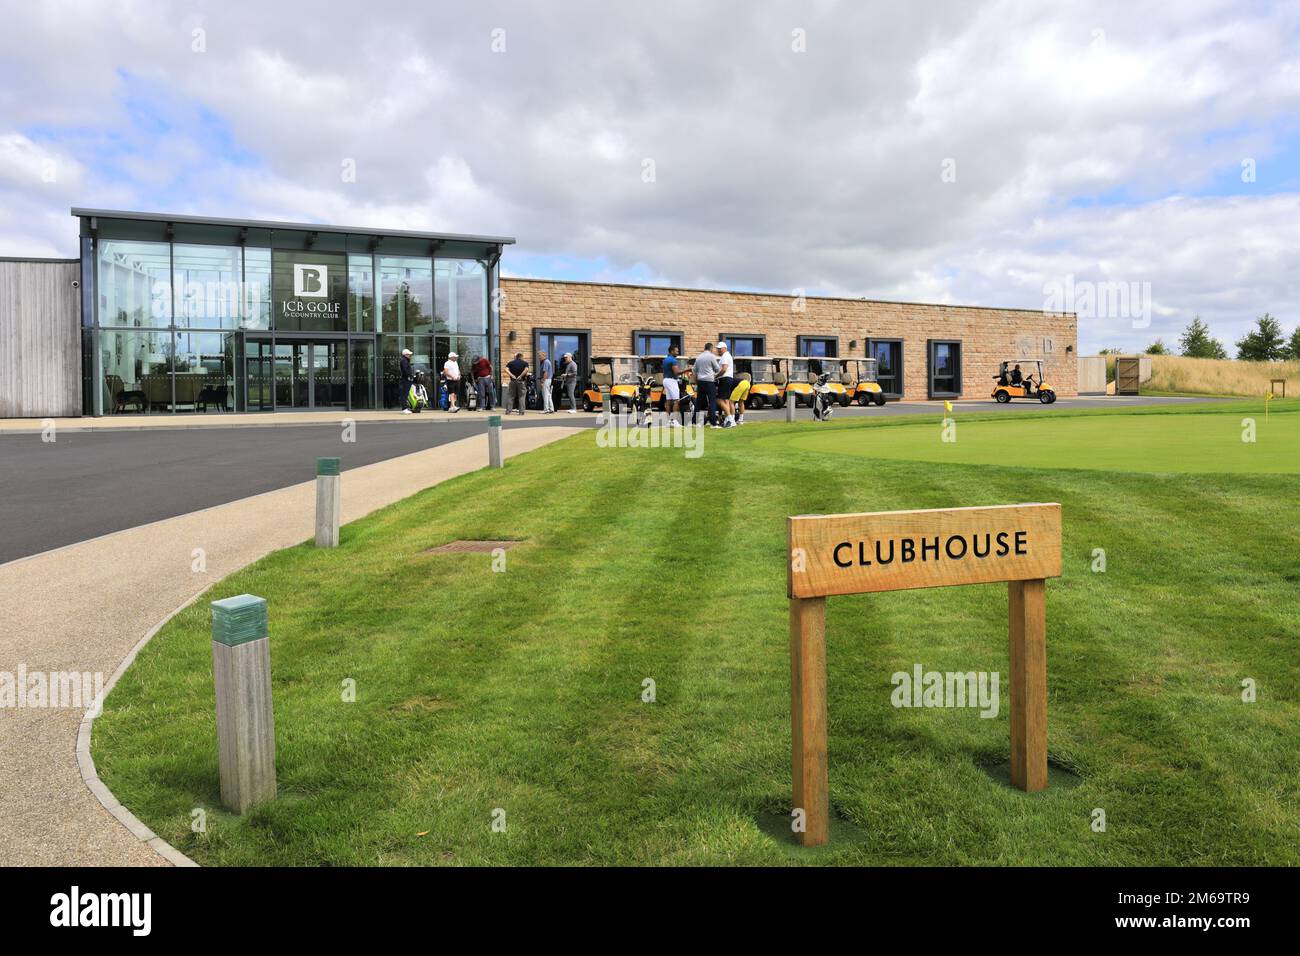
522	690
1153	443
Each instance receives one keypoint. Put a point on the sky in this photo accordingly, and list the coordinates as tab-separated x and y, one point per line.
1137	163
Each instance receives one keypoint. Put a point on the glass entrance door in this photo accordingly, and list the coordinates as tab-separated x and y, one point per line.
555	342
309	374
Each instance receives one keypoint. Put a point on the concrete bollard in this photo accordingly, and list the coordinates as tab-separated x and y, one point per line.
791	404
329	502
494	442
241	672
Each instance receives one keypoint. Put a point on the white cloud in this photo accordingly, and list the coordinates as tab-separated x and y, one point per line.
775	169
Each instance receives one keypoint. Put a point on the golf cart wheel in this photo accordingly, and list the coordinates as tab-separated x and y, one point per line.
864	399
1046	397
844	400
587	406
879	399
1003	397
778	401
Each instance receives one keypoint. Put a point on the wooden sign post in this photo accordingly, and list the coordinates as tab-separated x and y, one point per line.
896	550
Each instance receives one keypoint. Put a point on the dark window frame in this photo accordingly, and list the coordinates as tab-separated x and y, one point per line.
637	333
929	361
902	355
801	339
759	337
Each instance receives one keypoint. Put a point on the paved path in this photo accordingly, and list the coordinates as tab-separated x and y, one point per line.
84	607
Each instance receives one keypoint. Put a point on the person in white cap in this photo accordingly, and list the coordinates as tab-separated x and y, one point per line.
726	384
406	377
451	375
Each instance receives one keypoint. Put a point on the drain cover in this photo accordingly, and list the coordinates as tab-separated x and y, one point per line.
471	547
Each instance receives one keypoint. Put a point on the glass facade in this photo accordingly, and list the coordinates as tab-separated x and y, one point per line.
232	316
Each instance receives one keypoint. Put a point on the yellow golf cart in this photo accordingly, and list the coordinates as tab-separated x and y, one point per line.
618	373
763	374
1014	382
859	377
800	372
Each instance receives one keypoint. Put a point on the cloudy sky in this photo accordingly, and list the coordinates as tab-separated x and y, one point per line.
966	152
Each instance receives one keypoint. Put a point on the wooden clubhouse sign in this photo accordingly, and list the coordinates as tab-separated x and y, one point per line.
897	550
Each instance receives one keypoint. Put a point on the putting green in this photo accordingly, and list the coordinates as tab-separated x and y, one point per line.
1148	443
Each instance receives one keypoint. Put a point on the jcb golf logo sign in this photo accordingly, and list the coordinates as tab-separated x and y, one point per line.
894	550
310	281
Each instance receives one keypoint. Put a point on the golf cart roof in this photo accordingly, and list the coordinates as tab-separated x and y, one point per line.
1022	361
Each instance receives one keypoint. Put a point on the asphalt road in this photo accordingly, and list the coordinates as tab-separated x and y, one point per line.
86	484
90	483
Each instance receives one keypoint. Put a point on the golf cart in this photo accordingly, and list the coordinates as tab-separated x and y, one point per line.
1011	382
763	374
800	373
618	373
860	378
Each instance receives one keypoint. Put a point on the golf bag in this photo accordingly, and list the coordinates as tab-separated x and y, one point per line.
823	399
418	397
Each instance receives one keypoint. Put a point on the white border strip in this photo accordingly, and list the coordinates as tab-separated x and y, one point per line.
86	763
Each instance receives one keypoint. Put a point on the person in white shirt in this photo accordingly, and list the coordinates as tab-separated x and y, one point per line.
726	383
451	375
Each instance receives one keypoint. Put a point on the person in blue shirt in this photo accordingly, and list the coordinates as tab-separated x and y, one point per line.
672	386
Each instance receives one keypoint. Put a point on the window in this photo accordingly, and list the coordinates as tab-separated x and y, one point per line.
134	284
818	346
361	293
134	372
209	285
204	364
655	343
945	368
460	297
888	354
257	288
406	290
744	344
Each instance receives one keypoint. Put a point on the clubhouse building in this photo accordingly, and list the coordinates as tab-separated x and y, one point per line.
169	314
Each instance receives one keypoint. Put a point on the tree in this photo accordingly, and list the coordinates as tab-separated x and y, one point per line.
1196	342
1157	347
1293	346
1264	343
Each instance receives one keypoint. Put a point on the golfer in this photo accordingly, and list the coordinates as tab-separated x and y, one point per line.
484	388
569	375
706	383
451	375
726	384
406	375
672	387
516	383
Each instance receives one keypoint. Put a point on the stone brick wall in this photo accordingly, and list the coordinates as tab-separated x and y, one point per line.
613	312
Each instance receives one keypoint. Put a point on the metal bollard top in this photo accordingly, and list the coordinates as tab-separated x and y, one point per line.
494	421
240	619
327	466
